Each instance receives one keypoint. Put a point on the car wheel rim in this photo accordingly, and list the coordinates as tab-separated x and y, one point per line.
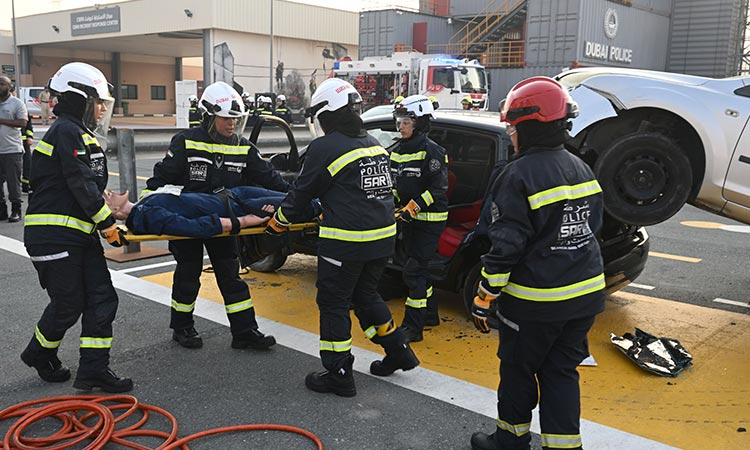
642	179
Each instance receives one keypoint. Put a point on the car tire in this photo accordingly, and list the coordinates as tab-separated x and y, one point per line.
469	291
270	263
646	178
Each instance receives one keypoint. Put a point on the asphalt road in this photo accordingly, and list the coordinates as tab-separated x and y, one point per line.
698	265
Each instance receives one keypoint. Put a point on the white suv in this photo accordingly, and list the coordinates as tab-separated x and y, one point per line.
657	140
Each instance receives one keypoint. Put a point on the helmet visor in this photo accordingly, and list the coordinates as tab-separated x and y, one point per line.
97	115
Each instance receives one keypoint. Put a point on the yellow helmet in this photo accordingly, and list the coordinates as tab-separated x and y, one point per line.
466	101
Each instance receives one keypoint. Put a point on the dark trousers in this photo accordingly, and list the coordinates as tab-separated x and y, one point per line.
78	284
541	357
340	285
11	167
420	242
26	170
186	282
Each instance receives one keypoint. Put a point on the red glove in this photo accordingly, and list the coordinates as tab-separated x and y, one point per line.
114	236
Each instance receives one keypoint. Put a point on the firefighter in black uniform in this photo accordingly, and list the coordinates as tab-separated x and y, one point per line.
249	102
208	159
348	170
27	137
194	114
546	266
420	176
282	110
67	208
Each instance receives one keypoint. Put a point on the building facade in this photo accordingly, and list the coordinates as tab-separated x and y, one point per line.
516	39
145	46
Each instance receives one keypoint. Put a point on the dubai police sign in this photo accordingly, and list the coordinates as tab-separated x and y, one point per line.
103	20
608	52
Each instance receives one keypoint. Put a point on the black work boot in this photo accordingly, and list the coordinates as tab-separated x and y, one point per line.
412	334
15	213
50	370
106	381
402	357
253	339
431	316
3	211
483	441
188	338
339	382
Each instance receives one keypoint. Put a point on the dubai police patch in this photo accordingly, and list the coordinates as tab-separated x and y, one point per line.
434	165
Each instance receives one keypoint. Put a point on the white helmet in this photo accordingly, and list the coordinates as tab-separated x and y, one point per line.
220	99
89	82
193	98
267	99
250	98
281	98
331	95
415	106
245	95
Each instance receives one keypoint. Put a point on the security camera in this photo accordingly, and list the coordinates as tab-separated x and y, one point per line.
188	13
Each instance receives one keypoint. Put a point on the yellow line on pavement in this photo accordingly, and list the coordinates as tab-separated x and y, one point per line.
675	257
115	174
704	407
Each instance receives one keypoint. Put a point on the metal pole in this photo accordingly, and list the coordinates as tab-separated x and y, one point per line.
126	162
15	48
270	55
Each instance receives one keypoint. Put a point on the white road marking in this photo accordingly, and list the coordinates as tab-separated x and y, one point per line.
642	286
150	266
732	302
424	381
736	228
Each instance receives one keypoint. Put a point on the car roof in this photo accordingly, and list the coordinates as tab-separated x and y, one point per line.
484	120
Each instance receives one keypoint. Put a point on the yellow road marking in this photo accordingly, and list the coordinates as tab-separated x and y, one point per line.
138	177
702	408
700	224
675	257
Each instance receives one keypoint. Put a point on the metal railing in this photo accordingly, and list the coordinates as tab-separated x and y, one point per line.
471	33
497	54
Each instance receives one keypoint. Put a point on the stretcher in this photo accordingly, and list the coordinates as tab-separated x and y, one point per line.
245	231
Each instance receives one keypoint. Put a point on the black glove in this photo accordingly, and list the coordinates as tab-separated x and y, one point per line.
114	235
481	308
408	212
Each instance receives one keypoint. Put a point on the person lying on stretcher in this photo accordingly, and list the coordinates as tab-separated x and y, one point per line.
197	215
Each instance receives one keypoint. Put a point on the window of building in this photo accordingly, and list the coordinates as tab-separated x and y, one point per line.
158	92
129	91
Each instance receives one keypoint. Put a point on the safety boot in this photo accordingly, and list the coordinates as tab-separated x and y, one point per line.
105	380
188	338
253	339
50	370
15	213
339	382
483	441
402	357
431	316
412	334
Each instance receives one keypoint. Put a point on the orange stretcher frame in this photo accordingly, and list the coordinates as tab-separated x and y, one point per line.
245	231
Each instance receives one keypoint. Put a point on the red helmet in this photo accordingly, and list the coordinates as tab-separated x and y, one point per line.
537	98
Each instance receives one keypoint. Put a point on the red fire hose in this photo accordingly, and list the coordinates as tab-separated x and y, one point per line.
77	413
